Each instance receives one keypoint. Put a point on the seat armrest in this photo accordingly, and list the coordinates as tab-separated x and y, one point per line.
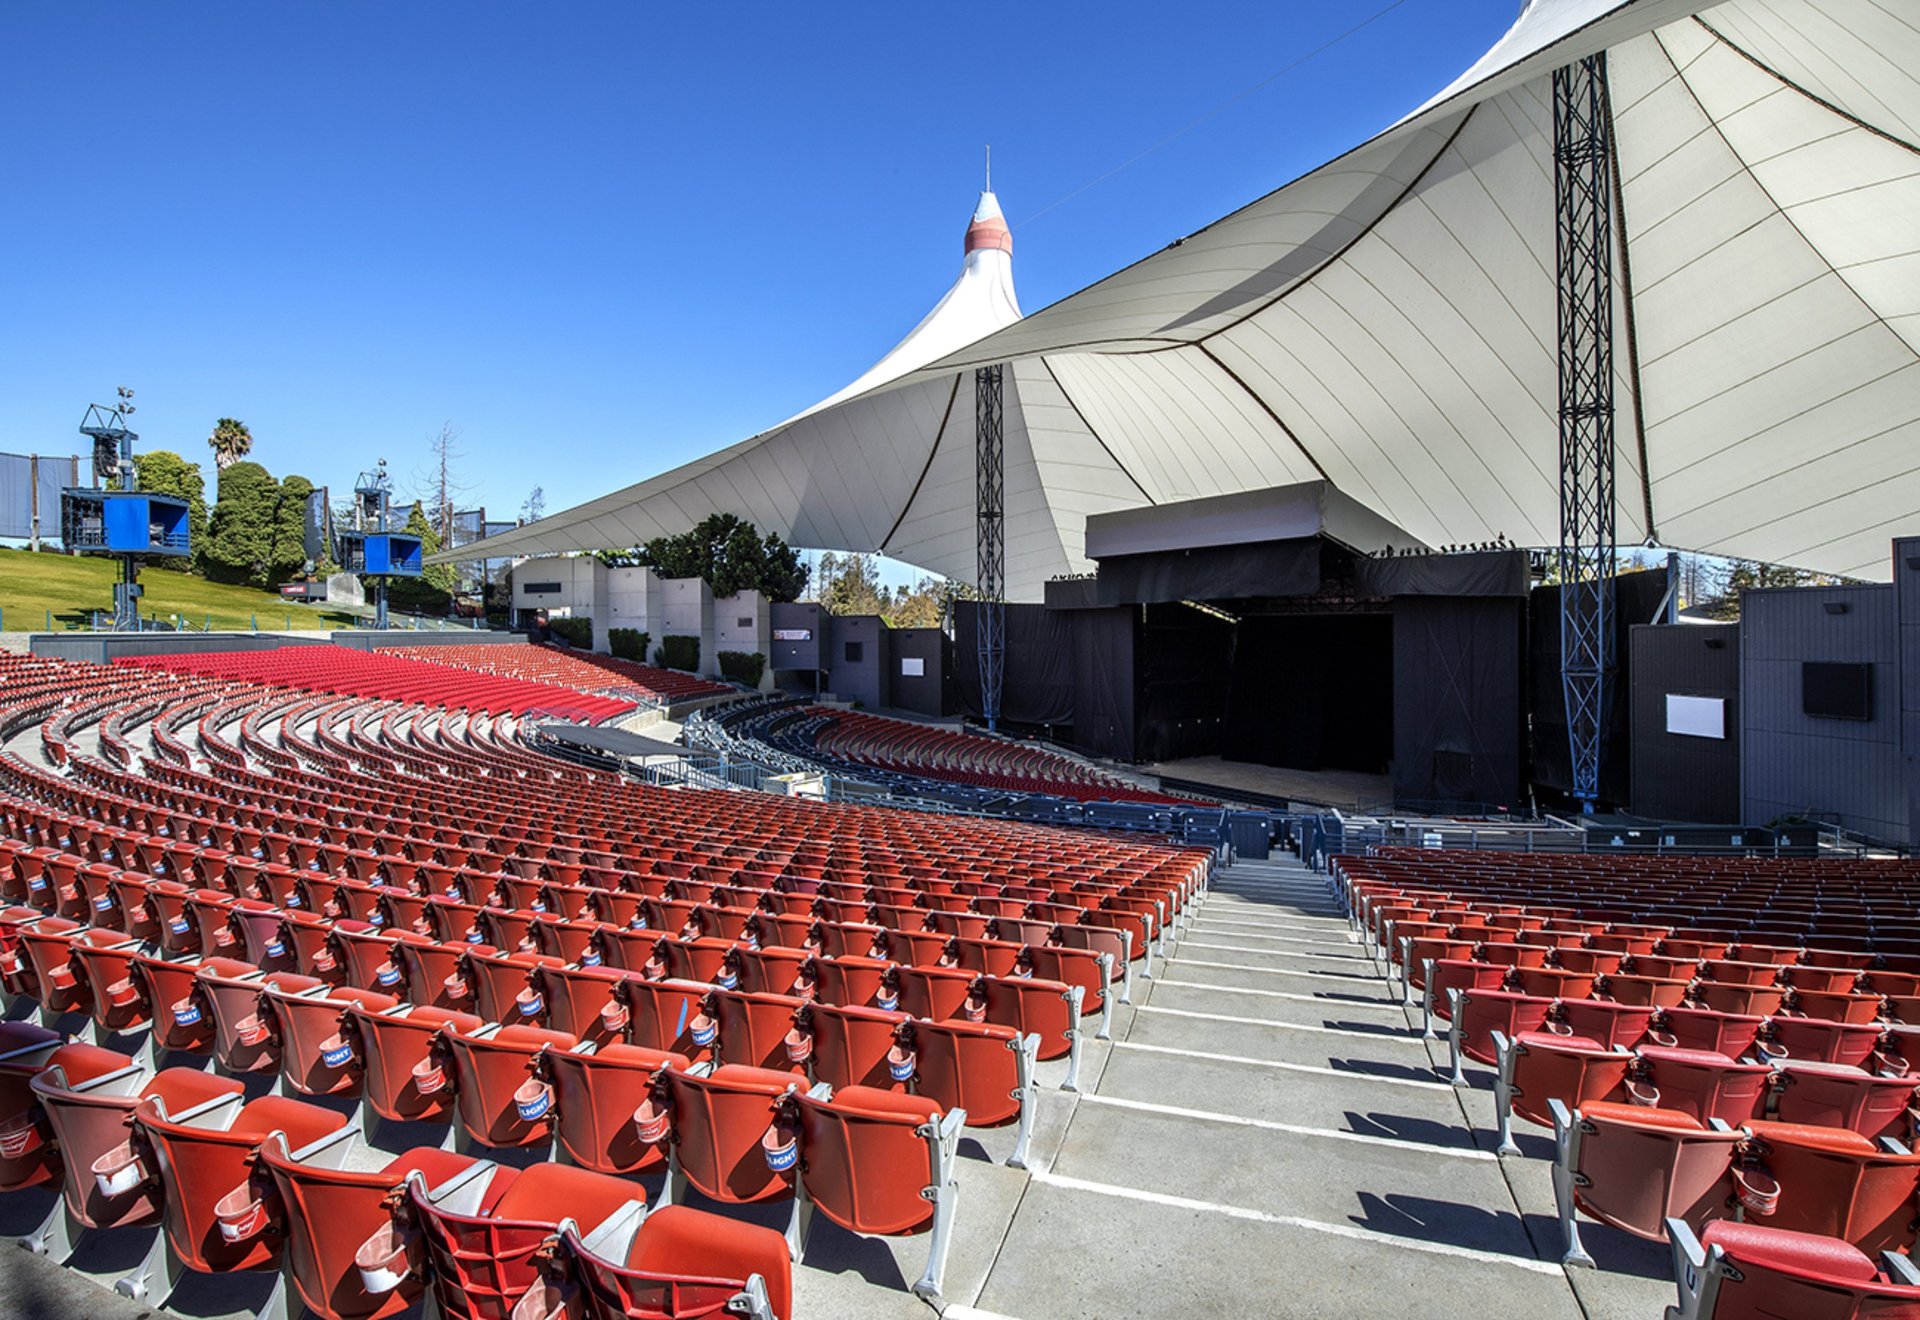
461	1194
614	1236
331	1151
1901	1269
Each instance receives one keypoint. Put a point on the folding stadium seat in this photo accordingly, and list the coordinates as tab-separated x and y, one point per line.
775	971
1453	974
1838	1096
700	959
28	1155
1752	1000
368	957
661	1014
1642	991
1092	972
48	947
405	1076
600	1094
1731	972
1552	982
878	1163
753	1028
1515	955
684	1264
1478	1014
1745	1271
502	985
981	1069
1538	1067
243	1029
1701	1084
853	1046
580	1000
213	1220
319	1055
916	948
1838	1184
1635	1167
134	908
103	963
1604	1022
724	1140
1731	1034
500	1097
1822	980
486	1232
1593	962
855	983
1819	1041
1031	1006
1833	1006
88	1099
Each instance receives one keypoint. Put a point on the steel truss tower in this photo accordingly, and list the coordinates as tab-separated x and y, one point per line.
990	524
1582	186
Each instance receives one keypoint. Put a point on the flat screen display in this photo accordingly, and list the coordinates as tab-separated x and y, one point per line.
1836	691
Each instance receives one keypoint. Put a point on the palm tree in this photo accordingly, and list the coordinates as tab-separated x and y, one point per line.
231	441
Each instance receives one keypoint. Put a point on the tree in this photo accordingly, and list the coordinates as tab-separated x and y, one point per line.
166	473
231	441
929	604
240	533
727	553
849	584
433	589
439	489
534	508
287	551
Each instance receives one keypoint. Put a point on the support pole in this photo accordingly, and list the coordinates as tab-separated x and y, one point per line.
989	500
1582	152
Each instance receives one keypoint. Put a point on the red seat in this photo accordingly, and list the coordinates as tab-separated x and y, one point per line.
719	1123
1727	997
1634	1167
181	1019
685	1264
753	1028
1478	1014
1642	991
199	1162
856	983
1448	975
103	961
981	1069
1816	1040
318	1055
775	971
89	1109
500	1098
1607	1023
936	993
244	1039
1539	1067
484	1243
48	945
879	1163
579	1000
598	1095
1740	1271
405	1078
28	1155
661	1014
1835	1095
852	1046
1703	1084
1731	1034
1839	1184
329	1210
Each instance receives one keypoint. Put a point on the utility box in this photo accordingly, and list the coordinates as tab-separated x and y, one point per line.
390	554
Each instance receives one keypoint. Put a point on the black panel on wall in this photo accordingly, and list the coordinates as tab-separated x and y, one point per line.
1105	683
928	692
1679	776
1037	686
1458	735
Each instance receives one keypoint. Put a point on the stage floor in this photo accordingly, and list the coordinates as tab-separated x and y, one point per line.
1348	790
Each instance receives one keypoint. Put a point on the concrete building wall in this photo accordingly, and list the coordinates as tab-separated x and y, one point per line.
1851	772
743	623
686	610
856	659
798	641
632	602
565	586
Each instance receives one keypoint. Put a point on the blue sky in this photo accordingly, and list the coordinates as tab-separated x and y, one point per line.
603	238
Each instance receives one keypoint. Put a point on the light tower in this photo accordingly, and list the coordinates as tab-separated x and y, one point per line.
110	517
372	549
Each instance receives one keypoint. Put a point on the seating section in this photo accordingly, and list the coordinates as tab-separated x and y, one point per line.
582	670
389	902
1723	1048
384	675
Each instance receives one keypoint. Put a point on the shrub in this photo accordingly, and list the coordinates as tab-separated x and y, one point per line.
574	631
680	652
742	666
628	643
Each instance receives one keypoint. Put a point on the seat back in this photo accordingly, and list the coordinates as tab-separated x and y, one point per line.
317	1056
596	1096
685	1264
718	1123
1483	1012
970	1066
1707	1085
400	1077
498	1098
1634	1166
754	1027
1833	1095
866	1158
850	1046
1839	1188
1568	1069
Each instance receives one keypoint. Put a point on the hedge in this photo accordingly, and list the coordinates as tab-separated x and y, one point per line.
678	651
573	631
628	643
742	666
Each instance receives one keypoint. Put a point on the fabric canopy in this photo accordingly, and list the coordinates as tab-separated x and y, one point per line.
1387	323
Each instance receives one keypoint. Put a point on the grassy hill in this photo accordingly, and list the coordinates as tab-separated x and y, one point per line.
63	591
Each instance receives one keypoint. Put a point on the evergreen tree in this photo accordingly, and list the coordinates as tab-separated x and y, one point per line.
288	553
728	553
166	473
240	534
432	591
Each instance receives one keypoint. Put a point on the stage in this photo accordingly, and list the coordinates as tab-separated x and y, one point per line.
1348	790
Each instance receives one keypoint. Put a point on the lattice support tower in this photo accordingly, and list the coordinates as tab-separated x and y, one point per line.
1582	176
989	515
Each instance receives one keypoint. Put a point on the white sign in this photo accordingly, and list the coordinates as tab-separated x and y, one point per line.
793	634
912	666
1696	717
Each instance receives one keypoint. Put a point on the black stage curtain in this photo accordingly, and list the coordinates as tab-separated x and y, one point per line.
1103	681
1457	733
1485	573
1037	677
1311	692
1185	661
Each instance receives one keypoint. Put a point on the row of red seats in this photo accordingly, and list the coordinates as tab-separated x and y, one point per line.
379	674
581	670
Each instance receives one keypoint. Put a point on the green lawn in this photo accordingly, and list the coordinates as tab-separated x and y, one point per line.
63	591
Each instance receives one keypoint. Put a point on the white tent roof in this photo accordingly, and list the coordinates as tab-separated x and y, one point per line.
1386	323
